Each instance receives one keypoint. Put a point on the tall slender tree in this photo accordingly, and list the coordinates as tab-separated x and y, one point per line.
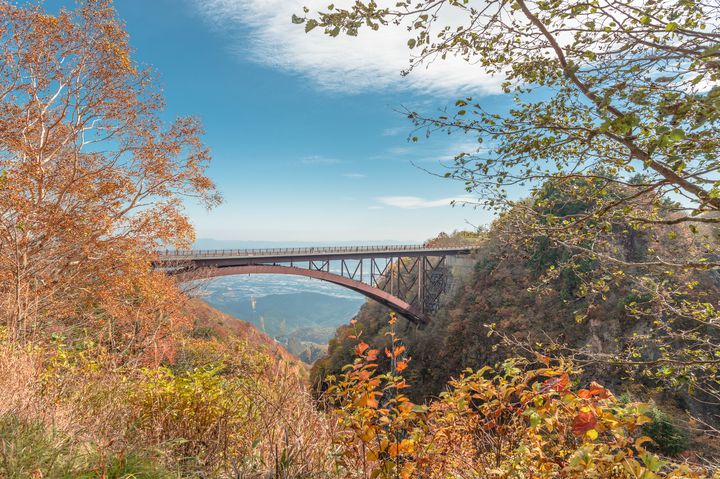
92	180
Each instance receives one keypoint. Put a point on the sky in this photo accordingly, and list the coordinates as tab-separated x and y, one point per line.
306	137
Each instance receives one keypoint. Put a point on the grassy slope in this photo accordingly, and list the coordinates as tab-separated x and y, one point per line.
210	322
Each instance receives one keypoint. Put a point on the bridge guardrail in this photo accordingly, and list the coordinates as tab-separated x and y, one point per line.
291	251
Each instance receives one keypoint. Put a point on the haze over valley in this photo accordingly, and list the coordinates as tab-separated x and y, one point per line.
300	313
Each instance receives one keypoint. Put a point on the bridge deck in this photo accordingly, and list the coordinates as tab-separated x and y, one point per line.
287	254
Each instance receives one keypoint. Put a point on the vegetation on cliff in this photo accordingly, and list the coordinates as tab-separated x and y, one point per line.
613	137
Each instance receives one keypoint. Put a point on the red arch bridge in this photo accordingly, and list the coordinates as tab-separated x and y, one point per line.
408	279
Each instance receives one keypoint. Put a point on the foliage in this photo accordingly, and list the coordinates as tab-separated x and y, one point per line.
93	182
229	406
667	437
379	424
616	106
509	421
194	413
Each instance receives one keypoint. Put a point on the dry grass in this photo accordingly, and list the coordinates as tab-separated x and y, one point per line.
271	427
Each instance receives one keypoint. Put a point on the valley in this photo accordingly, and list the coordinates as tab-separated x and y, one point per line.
302	314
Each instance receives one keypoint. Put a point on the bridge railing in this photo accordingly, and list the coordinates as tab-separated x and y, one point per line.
290	251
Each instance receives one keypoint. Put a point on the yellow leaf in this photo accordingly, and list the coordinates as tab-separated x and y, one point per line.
640	441
592	434
642	419
407	470
407	446
368	434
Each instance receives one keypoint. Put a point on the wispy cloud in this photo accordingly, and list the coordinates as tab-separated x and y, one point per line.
415	202
357	176
262	30
395	131
318	160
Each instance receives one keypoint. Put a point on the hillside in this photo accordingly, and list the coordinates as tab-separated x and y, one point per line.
303	322
69	408
211	323
500	295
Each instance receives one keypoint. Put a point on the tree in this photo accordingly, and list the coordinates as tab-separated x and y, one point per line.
92	180
617	109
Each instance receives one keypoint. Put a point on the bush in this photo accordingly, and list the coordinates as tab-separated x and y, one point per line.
198	414
514	420
668	438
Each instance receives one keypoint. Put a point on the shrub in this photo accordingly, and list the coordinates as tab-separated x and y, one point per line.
668	438
514	420
197	414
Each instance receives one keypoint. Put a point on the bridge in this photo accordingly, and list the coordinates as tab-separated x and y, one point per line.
408	279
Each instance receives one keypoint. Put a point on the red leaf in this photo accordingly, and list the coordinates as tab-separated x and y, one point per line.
595	390
583	422
361	347
558	383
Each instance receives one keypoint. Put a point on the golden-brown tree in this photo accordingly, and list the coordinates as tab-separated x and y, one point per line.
91	180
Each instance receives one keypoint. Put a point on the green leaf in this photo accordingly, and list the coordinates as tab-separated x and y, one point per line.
310	25
676	135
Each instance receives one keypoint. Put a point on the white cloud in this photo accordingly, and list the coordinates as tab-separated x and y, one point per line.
262	31
415	202
357	176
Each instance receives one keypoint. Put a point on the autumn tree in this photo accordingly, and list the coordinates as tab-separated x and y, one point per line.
614	131
92	180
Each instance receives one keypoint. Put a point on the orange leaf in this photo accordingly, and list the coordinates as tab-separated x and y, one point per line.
400	366
543	359
361	347
407	446
595	390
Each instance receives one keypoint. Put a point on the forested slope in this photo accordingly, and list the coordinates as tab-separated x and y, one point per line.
510	307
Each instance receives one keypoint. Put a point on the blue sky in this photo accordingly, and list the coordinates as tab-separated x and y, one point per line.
306	143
